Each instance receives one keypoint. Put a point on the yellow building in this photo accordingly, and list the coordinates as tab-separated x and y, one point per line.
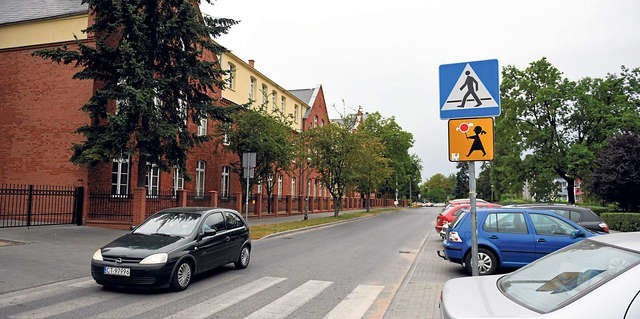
247	84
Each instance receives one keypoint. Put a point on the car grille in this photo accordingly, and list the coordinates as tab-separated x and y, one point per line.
122	260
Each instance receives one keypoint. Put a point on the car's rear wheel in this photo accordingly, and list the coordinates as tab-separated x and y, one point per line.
487	262
243	258
182	276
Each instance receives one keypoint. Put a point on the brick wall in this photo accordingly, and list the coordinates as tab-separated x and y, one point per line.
39	112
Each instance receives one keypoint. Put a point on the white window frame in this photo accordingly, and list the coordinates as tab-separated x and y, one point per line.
252	88
153	180
283	104
122	178
274	102
232	76
178	180
279	186
265	96
295	113
224	182
202	127
201	167
293	186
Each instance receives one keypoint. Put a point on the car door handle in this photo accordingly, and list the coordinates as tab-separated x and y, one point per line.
542	240
227	238
493	237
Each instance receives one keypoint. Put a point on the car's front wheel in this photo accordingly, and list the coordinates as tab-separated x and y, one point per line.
487	262
243	258
182	276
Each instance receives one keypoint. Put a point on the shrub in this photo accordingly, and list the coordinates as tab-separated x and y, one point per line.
625	222
601	209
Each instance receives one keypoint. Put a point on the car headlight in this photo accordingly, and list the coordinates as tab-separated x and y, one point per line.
160	258
97	255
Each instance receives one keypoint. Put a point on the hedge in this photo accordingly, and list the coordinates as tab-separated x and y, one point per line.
625	222
601	209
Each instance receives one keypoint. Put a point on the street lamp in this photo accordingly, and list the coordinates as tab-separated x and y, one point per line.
306	200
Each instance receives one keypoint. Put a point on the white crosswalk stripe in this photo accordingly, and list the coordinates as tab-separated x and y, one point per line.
61	307
228	299
154	302
288	303
356	304
41	292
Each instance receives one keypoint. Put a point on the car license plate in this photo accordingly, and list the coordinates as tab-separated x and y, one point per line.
117	271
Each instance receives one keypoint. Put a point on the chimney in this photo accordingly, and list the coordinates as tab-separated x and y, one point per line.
252	62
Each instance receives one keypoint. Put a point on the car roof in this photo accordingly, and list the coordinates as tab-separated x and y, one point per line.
194	210
623	240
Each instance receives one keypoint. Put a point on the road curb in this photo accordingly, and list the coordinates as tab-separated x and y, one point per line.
299	230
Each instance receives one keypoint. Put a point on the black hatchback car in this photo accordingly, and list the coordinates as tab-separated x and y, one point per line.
580	215
173	245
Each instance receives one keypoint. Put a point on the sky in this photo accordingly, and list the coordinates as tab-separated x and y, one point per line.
384	55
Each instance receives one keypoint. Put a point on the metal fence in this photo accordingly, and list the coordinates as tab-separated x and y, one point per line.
156	203
33	205
105	206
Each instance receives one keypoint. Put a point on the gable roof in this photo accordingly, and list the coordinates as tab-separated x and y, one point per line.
304	94
12	11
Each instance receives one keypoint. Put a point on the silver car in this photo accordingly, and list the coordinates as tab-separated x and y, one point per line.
598	277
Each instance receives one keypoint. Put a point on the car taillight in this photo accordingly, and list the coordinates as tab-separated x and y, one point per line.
604	227
453	236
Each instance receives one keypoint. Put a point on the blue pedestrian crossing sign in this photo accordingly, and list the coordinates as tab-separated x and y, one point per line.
469	90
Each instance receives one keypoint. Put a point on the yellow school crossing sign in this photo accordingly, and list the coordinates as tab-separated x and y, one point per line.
471	139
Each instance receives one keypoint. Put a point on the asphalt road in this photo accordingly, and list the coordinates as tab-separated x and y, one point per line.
349	270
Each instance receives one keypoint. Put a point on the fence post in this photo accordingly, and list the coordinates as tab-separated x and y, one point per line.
259	204
78	199
182	197
239	203
289	204
139	205
213	201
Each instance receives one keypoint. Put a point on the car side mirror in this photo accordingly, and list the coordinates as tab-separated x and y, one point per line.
577	234
209	232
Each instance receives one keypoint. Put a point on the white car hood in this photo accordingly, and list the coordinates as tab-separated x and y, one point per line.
479	297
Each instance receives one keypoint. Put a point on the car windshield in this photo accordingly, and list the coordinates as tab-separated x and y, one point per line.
560	278
169	224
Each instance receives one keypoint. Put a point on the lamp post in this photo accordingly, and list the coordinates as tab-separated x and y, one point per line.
306	200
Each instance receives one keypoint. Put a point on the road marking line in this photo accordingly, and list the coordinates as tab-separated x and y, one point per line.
31	294
62	307
154	301
228	299
85	284
288	303
356	304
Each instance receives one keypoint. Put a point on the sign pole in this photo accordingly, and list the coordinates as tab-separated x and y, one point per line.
246	202
474	218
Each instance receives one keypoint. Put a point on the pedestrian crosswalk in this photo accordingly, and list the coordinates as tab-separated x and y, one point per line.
281	297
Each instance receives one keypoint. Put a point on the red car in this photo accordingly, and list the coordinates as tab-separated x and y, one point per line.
453	210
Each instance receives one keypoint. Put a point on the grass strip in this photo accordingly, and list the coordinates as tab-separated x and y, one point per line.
260	231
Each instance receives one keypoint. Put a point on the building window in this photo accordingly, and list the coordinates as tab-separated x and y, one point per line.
225	136
315	188
293	186
120	177
274	103
202	127
322	123
283	103
178	180
295	113
315	121
279	186
259	186
153	180
232	76
264	96
224	182
252	89
200	170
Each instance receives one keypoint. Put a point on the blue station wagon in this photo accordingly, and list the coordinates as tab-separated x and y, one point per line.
509	237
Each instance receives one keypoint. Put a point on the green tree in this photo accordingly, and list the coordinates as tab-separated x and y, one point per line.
334	154
461	189
483	185
439	188
149	57
269	135
397	142
617	174
371	168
